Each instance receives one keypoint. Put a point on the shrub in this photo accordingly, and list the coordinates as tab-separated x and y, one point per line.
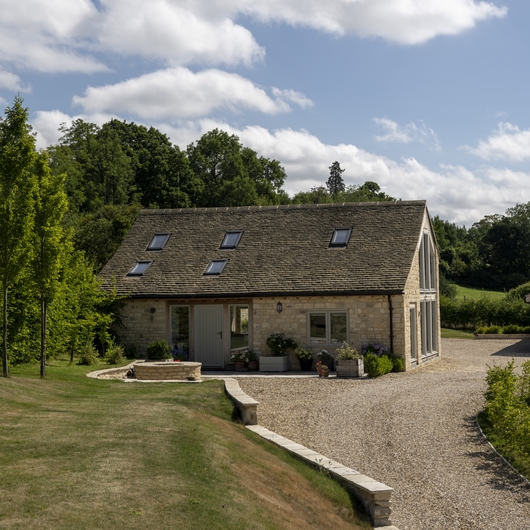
303	353
376	366
158	350
347	353
114	354
397	364
88	355
511	328
492	330
279	344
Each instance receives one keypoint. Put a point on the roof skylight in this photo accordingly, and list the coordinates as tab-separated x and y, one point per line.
231	239
340	237
215	267
159	241
140	268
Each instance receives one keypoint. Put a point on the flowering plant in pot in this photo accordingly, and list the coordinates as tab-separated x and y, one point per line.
239	358
349	362
279	344
305	357
322	369
326	357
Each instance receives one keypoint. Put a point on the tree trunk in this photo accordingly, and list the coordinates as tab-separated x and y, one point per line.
43	316
5	367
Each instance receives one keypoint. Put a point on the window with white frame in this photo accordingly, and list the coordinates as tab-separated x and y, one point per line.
327	327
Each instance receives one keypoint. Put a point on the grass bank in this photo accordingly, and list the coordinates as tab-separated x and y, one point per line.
91	454
470	293
448	333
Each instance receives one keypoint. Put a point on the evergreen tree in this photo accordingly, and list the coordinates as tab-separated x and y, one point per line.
335	183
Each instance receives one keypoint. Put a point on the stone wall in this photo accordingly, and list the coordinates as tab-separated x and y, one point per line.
369	320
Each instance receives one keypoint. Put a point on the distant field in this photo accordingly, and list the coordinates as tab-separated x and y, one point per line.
471	293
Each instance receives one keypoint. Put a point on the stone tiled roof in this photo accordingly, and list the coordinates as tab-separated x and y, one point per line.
283	250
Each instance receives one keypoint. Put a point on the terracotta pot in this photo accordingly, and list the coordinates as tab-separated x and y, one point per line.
240	366
252	366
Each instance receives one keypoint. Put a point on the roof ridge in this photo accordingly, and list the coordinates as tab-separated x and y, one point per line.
380	204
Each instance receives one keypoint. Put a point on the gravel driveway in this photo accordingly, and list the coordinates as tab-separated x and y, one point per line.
413	431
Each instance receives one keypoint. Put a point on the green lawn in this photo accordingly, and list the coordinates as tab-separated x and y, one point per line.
92	454
448	333
471	293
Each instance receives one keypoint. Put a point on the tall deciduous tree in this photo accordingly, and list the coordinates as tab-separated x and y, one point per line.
335	183
17	157
50	241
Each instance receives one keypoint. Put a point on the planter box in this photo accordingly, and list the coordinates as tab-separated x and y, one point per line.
350	368
274	364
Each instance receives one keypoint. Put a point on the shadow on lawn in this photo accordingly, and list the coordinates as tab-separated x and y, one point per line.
519	349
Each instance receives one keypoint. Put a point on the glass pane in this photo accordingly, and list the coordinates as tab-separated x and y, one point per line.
215	267
180	330
317	328
231	240
158	242
340	236
238	327
140	268
339	327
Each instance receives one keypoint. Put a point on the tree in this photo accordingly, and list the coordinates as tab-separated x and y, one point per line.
335	183
50	241
17	157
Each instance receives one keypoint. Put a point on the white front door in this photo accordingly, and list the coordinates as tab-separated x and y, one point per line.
209	339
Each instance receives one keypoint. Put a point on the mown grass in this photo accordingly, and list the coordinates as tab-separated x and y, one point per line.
473	294
91	454
448	333
518	460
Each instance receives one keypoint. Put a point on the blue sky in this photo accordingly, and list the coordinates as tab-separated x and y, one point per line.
430	99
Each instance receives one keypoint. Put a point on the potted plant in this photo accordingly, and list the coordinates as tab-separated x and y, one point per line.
239	358
326	358
322	369
252	362
349	362
305	357
279	361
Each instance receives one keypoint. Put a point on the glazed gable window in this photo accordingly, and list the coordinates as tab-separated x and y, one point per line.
327	327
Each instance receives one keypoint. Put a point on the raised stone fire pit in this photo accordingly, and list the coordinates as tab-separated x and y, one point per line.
168	371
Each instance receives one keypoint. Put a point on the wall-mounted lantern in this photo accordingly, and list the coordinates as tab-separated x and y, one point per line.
279	307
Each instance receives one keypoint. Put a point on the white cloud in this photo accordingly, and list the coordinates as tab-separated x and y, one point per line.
411	132
508	143
293	96
66	35
401	21
180	93
173	32
12	82
46	124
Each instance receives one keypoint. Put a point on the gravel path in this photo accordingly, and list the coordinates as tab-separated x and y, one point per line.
413	431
